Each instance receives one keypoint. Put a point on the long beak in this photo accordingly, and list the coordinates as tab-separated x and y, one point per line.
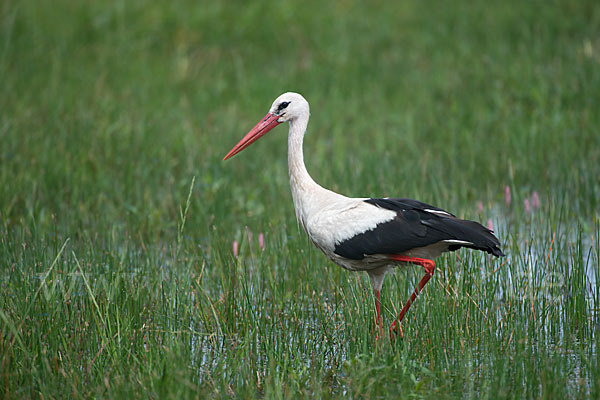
265	125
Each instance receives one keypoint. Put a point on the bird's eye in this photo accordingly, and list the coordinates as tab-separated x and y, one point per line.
283	105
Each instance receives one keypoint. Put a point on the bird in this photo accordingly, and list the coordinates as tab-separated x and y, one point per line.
366	234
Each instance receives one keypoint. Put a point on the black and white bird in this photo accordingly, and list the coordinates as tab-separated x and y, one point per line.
366	234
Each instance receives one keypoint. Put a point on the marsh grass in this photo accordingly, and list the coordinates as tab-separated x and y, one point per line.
117	216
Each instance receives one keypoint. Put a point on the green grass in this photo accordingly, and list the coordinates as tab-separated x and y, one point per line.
117	215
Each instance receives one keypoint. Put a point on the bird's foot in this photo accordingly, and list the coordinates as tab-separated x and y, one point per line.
395	331
378	333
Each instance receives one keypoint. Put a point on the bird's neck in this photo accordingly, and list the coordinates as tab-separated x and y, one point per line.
302	185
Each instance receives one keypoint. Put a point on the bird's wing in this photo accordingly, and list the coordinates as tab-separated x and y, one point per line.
416	225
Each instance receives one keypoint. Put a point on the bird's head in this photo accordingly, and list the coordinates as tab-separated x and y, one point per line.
288	107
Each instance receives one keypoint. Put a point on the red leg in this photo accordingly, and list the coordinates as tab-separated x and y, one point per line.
378	308
429	266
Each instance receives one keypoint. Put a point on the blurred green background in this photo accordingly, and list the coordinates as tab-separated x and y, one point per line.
112	107
109	109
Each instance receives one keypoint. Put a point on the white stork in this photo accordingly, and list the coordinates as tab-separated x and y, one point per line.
366	234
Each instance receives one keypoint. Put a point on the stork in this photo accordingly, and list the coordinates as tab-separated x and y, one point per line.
366	234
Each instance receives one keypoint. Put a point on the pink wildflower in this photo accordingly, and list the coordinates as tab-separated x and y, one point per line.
490	225
261	241
235	248
507	195
535	200
527	206
479	207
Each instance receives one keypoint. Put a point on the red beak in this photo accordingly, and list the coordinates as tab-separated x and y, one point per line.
265	125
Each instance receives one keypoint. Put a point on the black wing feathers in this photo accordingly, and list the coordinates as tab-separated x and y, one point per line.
417	224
